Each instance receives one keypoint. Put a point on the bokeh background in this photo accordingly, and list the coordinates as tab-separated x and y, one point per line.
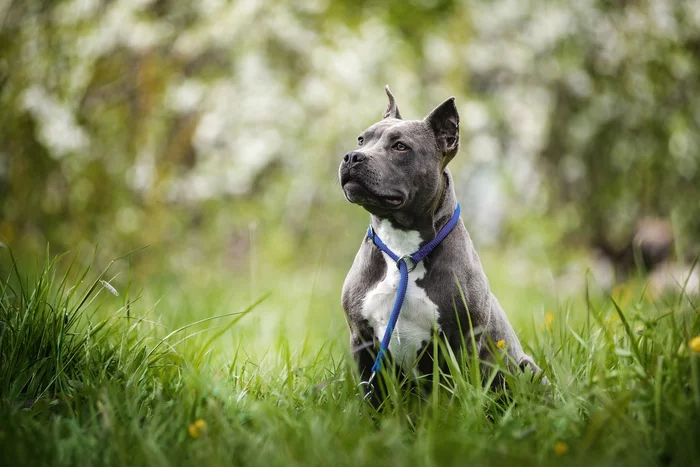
212	131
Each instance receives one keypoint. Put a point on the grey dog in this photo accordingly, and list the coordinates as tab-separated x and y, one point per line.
398	173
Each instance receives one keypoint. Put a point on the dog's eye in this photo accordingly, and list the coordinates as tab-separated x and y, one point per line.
360	141
399	146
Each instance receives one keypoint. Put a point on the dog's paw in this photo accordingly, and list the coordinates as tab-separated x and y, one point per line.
527	363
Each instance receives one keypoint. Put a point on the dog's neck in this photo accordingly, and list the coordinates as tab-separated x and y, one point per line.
427	224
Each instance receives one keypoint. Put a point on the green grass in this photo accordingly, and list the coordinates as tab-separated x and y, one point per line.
88	378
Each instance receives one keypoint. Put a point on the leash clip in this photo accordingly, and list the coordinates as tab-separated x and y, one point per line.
369	385
404	258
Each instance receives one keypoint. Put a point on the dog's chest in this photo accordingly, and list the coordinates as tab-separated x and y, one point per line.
418	314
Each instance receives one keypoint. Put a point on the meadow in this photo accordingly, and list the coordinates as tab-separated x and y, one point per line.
189	376
212	131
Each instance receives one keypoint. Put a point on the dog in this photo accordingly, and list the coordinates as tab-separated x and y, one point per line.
398	173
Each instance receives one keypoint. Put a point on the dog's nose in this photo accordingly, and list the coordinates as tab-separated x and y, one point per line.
353	157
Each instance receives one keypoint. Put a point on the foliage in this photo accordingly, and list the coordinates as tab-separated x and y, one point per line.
160	122
603	97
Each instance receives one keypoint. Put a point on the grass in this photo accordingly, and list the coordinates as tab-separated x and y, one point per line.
89	378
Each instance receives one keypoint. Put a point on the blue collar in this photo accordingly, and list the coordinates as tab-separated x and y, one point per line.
401	264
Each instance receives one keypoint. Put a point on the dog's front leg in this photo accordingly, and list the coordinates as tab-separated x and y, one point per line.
364	348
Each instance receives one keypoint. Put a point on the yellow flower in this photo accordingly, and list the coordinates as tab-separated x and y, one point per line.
694	344
561	448
548	318
197	429
501	344
639	329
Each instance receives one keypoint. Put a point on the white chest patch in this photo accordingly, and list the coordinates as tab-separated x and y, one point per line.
418	315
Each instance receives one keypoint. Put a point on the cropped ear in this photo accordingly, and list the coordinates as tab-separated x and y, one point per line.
392	110
444	121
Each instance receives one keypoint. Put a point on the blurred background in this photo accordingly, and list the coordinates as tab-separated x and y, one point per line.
212	131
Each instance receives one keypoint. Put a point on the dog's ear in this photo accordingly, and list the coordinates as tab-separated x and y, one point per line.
392	110
444	121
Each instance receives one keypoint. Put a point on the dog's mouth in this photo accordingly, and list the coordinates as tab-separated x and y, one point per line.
357	193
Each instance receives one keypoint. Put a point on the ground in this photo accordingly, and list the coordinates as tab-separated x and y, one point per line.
200	378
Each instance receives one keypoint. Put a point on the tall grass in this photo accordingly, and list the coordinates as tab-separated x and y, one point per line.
86	381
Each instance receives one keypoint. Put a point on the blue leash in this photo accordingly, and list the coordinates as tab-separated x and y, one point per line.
415	258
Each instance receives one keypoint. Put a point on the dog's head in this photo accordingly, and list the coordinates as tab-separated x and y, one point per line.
397	165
